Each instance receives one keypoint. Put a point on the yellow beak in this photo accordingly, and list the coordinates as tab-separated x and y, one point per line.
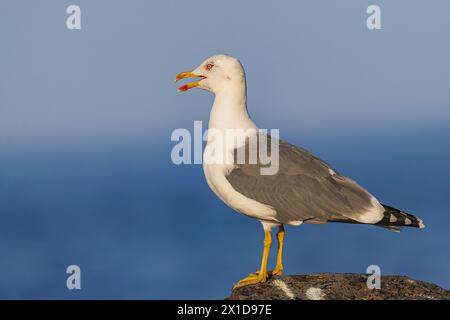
188	74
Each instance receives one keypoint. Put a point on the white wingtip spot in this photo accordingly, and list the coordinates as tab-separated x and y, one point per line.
392	218
315	294
283	287
421	224
407	221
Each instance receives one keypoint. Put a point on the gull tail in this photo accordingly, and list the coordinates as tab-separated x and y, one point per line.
394	219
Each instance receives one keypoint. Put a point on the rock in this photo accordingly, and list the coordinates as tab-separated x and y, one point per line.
339	286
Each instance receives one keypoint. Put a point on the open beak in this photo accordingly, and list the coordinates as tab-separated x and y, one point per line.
188	74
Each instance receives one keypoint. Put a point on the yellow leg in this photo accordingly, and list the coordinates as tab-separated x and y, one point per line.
278	271
262	274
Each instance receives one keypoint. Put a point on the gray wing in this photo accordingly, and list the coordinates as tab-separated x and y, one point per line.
304	189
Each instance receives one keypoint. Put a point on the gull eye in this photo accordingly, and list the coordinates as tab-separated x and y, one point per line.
209	66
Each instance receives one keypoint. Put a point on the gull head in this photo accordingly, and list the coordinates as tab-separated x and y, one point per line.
215	74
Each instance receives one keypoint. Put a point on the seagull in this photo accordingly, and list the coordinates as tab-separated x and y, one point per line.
304	189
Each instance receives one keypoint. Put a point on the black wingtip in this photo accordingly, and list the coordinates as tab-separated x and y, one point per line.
395	218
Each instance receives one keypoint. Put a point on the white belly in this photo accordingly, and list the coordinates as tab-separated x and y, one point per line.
231	130
215	175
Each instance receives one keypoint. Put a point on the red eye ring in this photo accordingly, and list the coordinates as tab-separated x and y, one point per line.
209	66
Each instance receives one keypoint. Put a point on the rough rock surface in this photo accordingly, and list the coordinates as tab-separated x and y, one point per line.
340	286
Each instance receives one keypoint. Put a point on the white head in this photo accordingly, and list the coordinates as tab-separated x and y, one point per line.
217	73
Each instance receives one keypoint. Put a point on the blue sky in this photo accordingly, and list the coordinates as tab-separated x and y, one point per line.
86	118
310	65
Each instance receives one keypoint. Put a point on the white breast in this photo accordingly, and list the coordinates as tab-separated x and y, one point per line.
229	118
217	165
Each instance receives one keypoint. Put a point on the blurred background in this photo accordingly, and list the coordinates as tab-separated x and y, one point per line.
86	117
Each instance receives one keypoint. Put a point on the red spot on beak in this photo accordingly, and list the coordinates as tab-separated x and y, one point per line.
183	88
